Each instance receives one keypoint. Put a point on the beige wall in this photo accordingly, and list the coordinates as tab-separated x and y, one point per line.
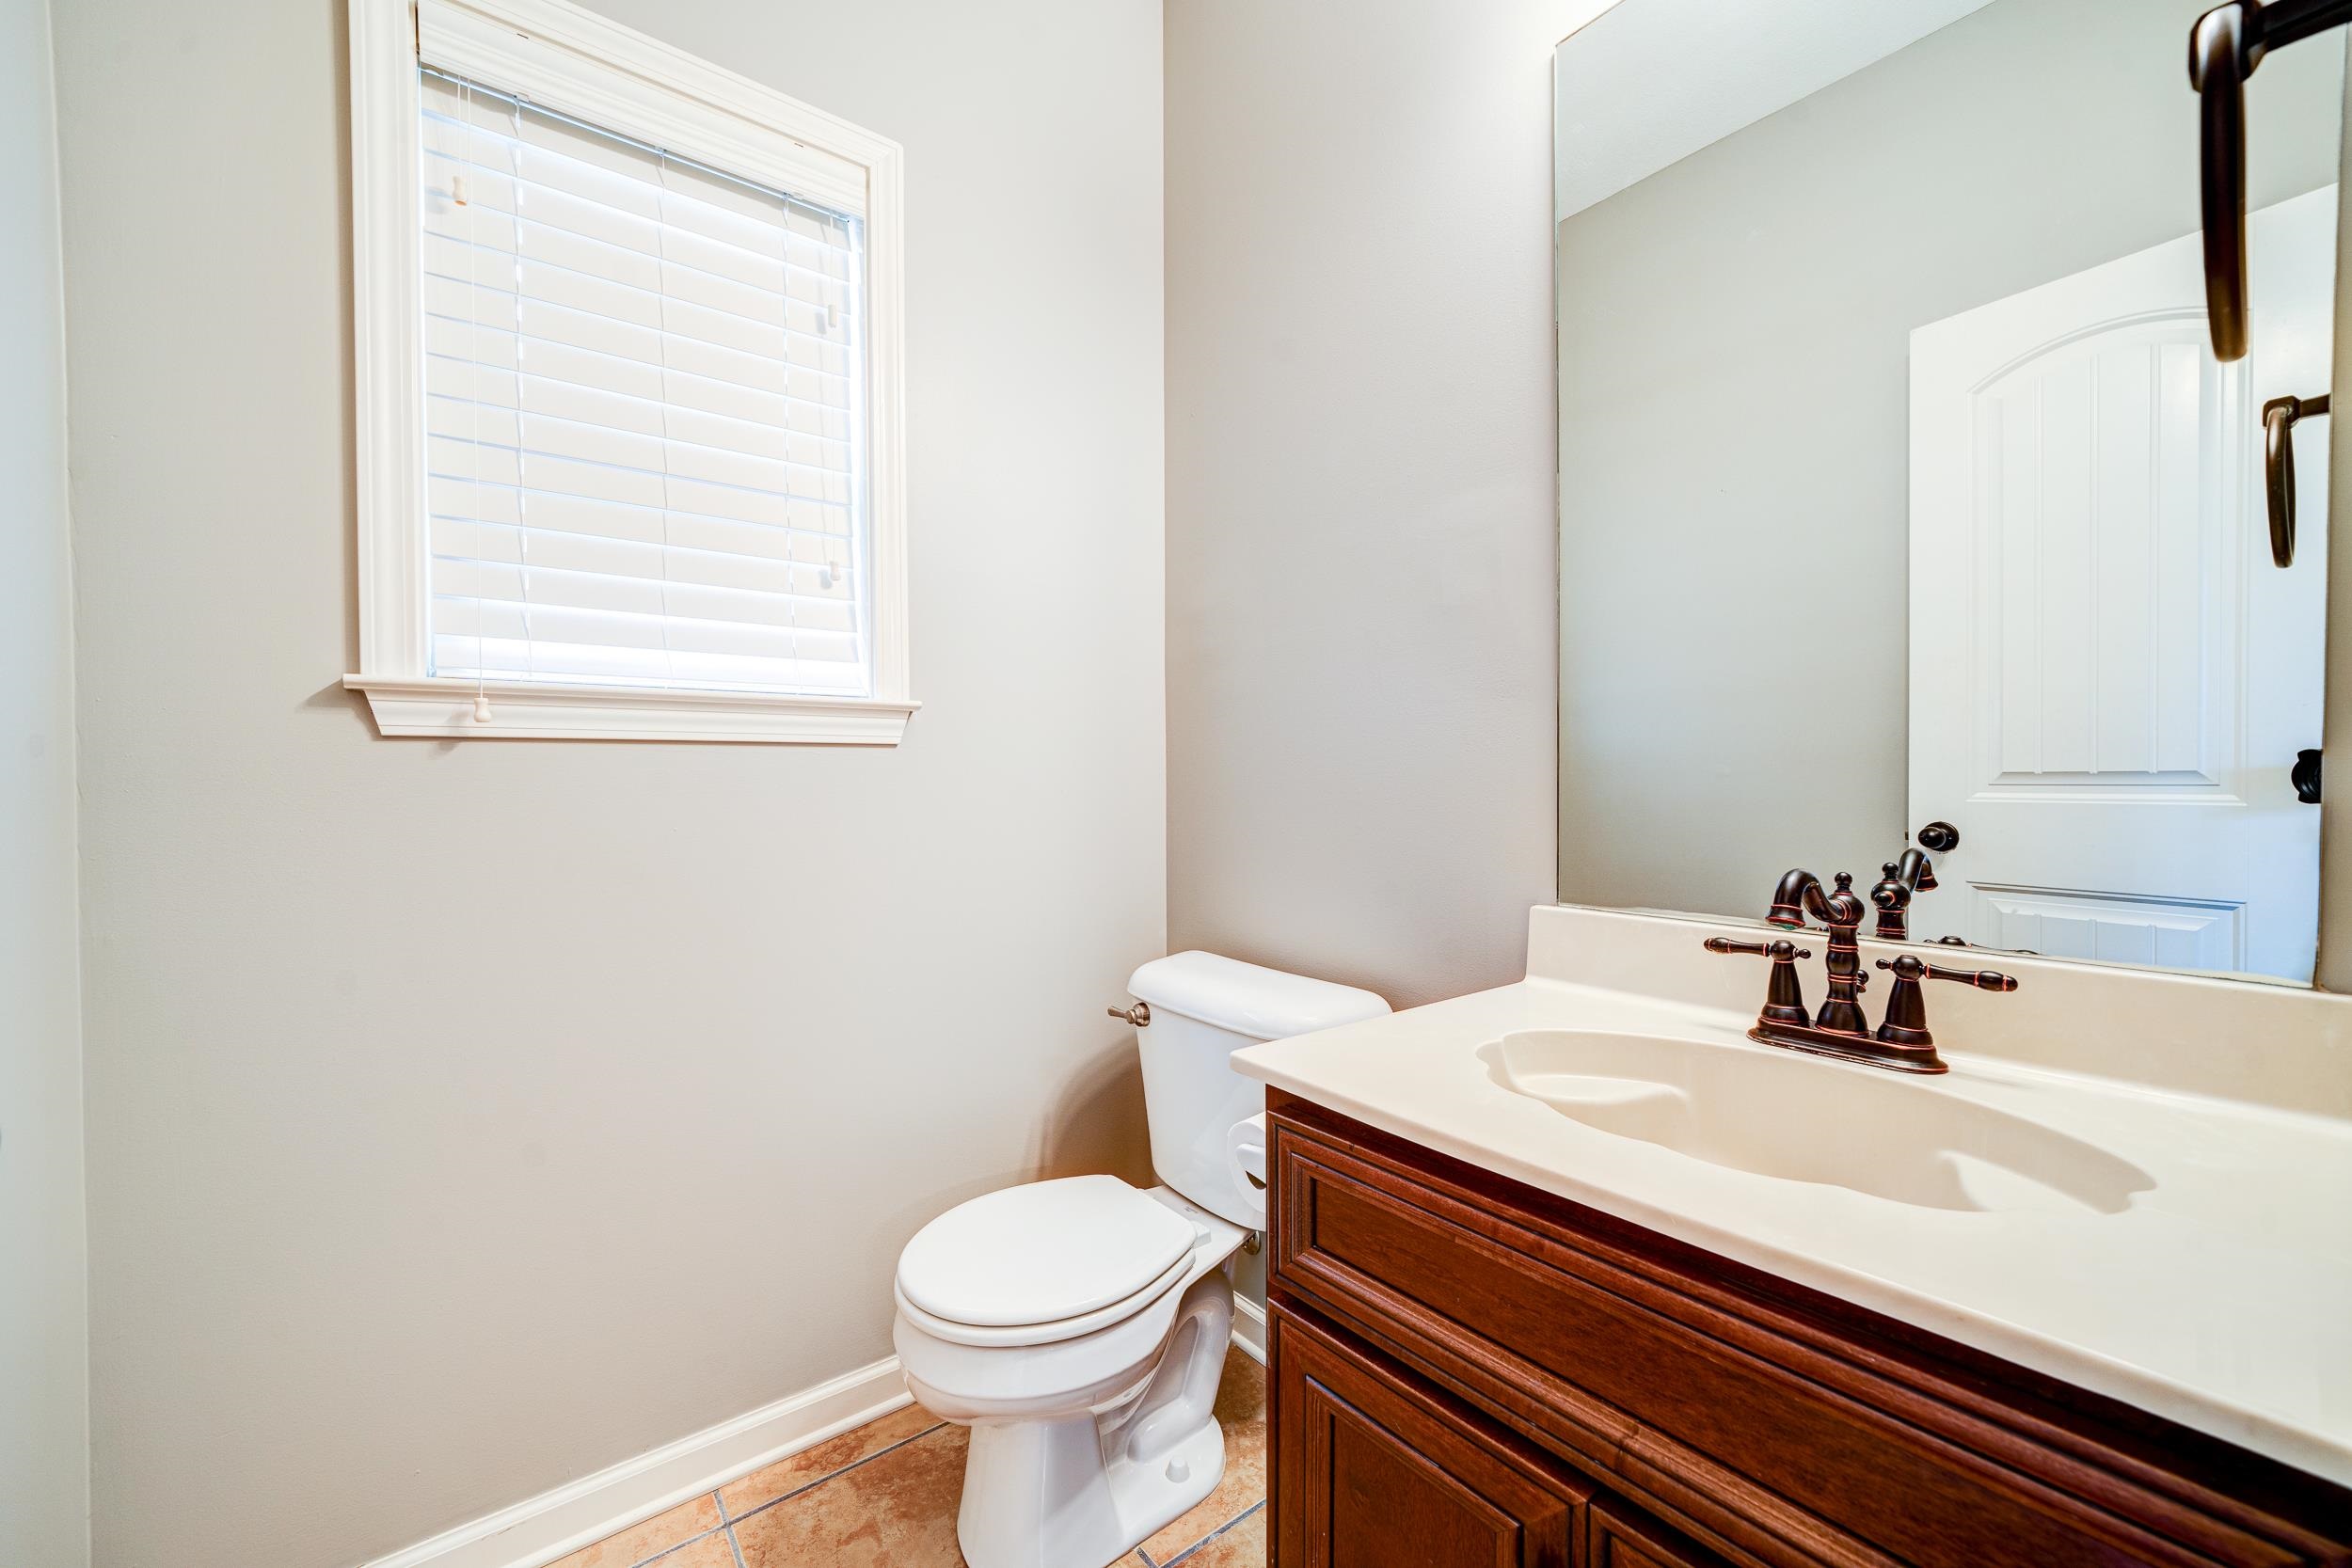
1360	451
45	1398
465	1116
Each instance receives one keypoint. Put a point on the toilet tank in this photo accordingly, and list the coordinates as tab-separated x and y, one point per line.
1204	1008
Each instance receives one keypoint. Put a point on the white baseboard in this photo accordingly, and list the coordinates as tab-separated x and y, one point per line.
536	1531
1249	1328
532	1534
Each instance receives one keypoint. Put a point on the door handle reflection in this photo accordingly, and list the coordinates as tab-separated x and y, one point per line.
2279	420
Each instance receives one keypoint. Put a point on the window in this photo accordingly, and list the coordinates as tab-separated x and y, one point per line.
627	360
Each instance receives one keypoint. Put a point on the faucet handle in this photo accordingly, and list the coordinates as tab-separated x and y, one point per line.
1781	948
1983	979
1783	999
1909	967
1907	1013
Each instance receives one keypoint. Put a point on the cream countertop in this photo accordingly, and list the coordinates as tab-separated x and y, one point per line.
2220	1297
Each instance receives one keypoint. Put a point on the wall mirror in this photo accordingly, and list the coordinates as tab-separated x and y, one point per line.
1905	504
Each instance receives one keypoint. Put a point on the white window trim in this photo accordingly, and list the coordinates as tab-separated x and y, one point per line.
573	61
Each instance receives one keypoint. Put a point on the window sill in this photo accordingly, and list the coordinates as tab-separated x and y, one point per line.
532	710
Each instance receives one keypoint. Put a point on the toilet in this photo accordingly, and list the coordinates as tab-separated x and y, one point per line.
1080	1326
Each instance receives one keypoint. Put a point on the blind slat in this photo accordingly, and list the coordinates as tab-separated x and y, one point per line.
644	412
815	567
552	586
524	658
487	370
789	461
486	286
451	496
467	616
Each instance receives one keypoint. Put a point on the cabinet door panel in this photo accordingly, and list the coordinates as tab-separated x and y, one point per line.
1372	1472
1614	1539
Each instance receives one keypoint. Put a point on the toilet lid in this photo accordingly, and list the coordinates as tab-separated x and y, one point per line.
1042	1252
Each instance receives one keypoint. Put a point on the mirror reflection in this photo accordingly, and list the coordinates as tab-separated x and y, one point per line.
1910	525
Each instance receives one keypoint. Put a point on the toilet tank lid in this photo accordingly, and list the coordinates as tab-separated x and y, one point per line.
1263	1003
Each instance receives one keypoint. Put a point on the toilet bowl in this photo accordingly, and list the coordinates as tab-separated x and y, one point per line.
1090	1429
1080	1326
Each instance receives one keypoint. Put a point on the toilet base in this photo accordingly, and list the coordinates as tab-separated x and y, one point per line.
1088	1514
1082	1491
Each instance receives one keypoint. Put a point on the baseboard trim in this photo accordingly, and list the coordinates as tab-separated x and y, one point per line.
537	1531
1249	1328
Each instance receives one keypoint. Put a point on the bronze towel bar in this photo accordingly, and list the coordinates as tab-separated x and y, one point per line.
2224	47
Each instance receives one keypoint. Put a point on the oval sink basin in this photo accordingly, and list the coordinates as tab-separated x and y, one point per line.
1779	1114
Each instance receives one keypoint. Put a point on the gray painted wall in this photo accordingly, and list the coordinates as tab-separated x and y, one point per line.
1360	574
1733	416
44	1362
464	1118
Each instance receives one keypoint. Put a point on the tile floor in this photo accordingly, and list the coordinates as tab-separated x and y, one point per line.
884	1496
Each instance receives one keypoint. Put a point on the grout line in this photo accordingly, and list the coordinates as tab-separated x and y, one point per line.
1221	1530
728	1523
673	1547
831	1475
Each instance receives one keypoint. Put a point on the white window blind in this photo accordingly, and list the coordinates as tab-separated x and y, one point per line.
645	414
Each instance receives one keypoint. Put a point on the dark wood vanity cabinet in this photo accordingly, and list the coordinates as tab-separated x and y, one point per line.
1616	1539
1468	1370
1379	1473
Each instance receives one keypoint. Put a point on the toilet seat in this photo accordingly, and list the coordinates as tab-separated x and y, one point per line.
1042	1261
1046	1333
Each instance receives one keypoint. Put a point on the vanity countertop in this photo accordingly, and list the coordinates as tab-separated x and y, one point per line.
2220	1297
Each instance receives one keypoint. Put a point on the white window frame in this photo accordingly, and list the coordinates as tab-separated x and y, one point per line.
574	62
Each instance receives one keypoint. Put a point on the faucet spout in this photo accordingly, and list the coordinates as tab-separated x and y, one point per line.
1799	893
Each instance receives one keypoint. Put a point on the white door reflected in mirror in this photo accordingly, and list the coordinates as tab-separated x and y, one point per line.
2109	679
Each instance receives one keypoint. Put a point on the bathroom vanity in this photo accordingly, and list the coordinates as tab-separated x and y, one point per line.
1502	1333
1916	514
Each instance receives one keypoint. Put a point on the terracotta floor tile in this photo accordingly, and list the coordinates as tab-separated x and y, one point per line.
636	1544
897	1510
795	1471
1243	1546
848	1503
711	1551
1241	1409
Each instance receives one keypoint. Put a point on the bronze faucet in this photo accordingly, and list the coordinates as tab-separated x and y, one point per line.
1841	1029
1800	895
1898	879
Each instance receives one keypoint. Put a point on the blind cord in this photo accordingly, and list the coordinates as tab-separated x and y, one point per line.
473	338
662	205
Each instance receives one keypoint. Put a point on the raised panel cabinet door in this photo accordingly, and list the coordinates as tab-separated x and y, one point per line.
1614	1539
1371	1471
